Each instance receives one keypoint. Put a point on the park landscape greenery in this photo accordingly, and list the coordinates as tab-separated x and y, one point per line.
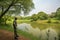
41	22
41	19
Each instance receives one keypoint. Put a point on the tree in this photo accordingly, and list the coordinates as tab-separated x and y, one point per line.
42	15
53	15
58	13
16	5
34	17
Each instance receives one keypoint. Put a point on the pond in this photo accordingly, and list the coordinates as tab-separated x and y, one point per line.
46	34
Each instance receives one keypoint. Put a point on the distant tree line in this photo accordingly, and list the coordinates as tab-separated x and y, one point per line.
43	16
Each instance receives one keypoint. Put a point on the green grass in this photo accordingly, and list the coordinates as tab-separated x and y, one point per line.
6	27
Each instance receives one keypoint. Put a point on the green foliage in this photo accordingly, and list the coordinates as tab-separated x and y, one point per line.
34	17
5	19
16	6
49	21
42	16
56	14
56	22
2	21
59	35
52	15
7	27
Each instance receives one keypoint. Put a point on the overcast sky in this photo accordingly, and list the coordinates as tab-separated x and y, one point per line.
46	6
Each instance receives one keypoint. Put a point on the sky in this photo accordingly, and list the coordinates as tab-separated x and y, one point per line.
46	6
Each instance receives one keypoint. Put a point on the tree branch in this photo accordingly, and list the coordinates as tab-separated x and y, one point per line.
2	9
6	9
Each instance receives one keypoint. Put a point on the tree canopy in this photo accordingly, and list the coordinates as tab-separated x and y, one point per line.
42	15
15	6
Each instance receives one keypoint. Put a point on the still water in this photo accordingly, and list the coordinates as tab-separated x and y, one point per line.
46	34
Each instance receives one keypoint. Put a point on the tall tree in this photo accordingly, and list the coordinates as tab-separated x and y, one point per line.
16	6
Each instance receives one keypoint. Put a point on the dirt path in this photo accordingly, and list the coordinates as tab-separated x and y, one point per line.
6	35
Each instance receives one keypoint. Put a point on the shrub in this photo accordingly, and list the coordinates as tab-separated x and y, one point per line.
49	21
56	22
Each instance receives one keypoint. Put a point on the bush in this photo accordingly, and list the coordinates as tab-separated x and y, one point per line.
49	21
56	22
33	20
1	21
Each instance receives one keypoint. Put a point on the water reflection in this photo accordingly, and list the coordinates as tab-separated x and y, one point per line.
28	28
49	34
46	34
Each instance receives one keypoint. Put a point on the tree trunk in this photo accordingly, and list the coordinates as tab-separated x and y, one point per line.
5	11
